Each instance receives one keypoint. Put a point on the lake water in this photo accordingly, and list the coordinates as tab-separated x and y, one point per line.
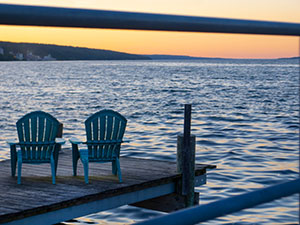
245	118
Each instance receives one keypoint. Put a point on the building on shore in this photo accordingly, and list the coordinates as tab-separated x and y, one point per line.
48	58
19	56
31	57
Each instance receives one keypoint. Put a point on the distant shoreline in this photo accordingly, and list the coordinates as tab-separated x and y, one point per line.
11	51
184	57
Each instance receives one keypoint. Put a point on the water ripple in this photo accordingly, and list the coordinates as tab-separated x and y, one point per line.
245	118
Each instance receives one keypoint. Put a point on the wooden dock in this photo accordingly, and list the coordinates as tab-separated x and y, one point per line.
38	201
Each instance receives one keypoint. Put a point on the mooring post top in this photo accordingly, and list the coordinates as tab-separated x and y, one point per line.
187	108
187	122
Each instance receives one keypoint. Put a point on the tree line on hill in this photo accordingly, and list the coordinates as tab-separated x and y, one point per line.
28	51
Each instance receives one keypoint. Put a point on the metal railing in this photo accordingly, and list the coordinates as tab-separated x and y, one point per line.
227	206
68	17
84	18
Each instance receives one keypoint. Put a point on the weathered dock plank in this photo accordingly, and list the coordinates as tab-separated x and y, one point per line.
37	198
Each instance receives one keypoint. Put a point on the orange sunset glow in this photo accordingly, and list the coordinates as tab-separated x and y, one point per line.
154	42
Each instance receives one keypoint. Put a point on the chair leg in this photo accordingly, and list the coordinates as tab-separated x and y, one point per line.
75	161
19	155
19	172
114	167
56	152
75	157
86	172
13	160
119	170
84	157
53	169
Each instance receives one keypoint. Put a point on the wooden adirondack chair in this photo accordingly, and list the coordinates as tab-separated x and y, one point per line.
37	132
104	133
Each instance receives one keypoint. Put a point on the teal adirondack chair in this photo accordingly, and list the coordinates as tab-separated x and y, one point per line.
37	132
104	132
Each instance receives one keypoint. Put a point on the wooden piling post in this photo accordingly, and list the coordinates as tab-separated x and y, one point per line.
184	195
186	158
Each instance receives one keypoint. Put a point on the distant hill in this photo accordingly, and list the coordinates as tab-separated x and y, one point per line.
29	51
289	58
177	57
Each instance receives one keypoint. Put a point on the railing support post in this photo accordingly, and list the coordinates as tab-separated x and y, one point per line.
186	144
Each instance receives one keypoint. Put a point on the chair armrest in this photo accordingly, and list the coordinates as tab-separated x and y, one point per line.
12	142
60	141
75	141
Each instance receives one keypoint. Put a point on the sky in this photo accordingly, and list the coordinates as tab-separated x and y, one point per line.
175	43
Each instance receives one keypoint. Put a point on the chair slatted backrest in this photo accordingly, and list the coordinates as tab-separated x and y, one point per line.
37	132
105	130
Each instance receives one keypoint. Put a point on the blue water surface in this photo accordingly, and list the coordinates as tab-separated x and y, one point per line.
245	118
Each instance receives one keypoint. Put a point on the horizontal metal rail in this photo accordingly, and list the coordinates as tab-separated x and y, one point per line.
227	206
70	17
